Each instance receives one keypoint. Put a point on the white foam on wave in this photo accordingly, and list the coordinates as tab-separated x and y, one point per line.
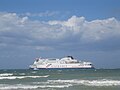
102	82
6	74
21	73
12	87
20	86
21	77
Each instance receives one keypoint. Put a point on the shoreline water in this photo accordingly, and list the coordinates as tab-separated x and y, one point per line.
25	79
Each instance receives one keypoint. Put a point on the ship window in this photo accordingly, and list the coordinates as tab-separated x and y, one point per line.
37	60
70	57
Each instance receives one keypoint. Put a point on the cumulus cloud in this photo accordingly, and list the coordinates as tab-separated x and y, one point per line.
91	30
74	33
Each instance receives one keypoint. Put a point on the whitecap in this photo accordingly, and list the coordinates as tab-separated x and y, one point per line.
21	73
6	74
20	86
55	86
102	82
21	77
36	76
11	87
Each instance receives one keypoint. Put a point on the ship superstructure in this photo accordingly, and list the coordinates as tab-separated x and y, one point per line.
67	62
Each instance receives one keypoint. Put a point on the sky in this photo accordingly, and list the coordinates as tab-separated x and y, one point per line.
88	30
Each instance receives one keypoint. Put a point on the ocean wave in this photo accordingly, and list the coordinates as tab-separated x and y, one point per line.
102	82
33	72
20	86
21	73
6	74
22	77
12	87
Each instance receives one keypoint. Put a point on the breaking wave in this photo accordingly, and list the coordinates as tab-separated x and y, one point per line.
20	86
6	74
102	82
21	77
54	84
21	73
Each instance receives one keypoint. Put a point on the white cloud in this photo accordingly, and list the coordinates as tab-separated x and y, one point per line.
72	22
90	31
52	34
41	14
101	29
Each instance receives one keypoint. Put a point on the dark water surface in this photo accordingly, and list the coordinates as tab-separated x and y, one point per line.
94	79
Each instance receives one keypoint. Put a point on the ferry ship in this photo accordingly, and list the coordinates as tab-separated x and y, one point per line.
67	62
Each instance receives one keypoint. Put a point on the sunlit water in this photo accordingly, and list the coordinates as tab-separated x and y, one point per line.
94	79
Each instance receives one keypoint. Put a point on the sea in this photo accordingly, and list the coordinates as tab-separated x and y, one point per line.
80	79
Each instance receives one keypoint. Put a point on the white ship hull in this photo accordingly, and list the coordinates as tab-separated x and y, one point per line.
61	66
64	63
